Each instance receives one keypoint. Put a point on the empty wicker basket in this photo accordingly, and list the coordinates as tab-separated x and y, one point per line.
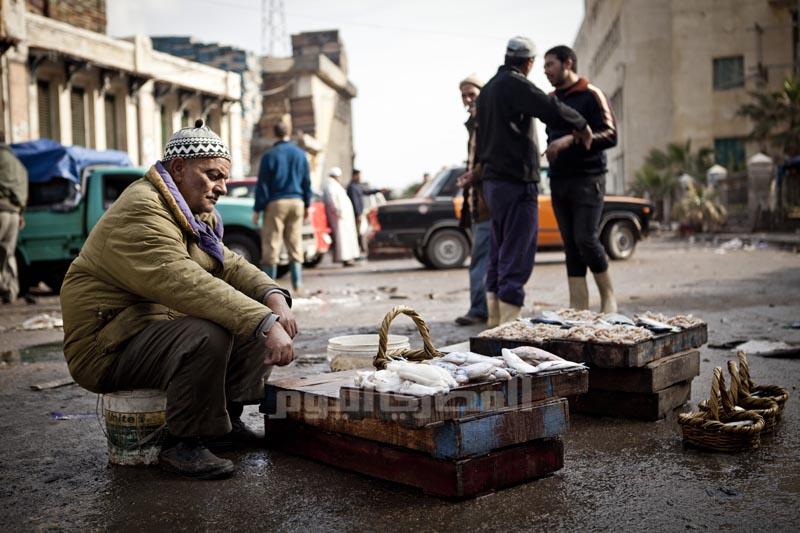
721	427
772	392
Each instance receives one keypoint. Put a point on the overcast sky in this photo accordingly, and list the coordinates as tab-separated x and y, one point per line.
405	57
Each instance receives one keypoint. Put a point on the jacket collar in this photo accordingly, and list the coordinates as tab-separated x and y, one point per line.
581	85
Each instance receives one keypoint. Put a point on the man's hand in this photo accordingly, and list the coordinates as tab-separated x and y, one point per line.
555	147
305	213
21	222
584	136
256	218
465	179
277	303
279	346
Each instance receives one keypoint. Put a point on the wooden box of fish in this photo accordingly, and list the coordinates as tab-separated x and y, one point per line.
315	402
448	478
601	341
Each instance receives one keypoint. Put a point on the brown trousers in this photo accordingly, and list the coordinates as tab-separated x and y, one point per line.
283	225
201	366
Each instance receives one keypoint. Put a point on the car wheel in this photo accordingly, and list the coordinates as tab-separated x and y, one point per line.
244	245
447	248
619	239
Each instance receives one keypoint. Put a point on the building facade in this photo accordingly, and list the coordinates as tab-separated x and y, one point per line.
311	92
680	69
64	79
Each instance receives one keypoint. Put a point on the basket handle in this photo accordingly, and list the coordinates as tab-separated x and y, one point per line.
736	388
744	374
715	397
428	351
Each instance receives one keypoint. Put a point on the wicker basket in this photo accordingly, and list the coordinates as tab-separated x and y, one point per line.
766	407
771	392
714	429
427	351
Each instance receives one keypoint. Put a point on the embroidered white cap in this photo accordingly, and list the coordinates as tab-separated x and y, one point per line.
191	143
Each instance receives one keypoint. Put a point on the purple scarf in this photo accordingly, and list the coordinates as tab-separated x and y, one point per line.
208	239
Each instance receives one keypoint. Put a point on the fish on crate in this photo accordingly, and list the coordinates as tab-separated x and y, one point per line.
655	326
617	319
534	355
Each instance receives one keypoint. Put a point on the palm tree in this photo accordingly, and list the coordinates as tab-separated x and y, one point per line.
698	209
776	118
658	177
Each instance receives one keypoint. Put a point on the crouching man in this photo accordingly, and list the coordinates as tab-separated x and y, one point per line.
155	300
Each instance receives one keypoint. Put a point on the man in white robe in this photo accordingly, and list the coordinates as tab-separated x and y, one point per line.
340	218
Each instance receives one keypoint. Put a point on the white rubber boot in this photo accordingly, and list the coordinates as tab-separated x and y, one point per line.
493	308
608	302
578	292
508	312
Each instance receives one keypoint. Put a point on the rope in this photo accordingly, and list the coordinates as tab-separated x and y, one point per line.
427	352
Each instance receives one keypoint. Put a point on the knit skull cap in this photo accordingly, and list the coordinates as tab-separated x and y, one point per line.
472	79
193	143
520	47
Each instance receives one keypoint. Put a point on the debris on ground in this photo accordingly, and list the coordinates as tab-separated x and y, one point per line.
726	345
53	384
43	321
766	348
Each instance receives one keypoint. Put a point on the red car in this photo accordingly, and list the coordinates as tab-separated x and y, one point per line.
241	236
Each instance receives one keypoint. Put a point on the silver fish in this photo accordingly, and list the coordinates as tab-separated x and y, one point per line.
655	326
618	318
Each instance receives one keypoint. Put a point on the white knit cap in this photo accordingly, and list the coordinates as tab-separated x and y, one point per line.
335	172
196	142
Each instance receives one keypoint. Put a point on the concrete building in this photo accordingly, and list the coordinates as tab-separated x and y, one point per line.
310	91
63	78
231	59
680	69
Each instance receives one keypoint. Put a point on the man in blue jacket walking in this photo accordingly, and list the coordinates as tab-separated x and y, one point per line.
283	194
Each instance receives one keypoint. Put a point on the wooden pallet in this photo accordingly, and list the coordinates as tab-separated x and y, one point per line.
332	396
605	355
652	406
652	377
459	479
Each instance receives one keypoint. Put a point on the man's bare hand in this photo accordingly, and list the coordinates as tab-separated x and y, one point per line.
584	136
280	350
256	218
277	303
305	213
21	222
555	147
465	179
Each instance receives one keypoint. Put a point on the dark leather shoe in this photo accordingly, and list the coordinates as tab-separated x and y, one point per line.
191	458
469	320
240	436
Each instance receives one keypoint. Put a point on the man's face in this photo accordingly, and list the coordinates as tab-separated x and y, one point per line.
201	181
469	94
357	177
555	70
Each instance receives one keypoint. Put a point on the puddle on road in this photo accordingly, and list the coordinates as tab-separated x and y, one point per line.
52	351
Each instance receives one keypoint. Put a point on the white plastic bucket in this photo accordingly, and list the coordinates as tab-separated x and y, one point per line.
135	425
357	351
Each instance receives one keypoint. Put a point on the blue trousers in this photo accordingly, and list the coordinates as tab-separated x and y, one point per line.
479	260
514	211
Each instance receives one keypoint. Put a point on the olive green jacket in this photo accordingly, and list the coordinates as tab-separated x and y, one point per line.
13	182
140	264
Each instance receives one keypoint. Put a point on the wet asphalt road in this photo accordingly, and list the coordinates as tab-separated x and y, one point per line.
619	474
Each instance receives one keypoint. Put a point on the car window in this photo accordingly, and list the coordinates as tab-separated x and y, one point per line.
450	186
113	185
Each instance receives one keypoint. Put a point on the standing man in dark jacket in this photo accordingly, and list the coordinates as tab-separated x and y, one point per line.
508	165
356	193
13	197
283	193
475	214
578	178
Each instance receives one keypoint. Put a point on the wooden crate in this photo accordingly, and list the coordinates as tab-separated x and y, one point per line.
653	377
642	406
334	393
605	355
459	479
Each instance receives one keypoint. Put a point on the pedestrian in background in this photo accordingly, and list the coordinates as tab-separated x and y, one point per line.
507	161
474	215
356	192
578	178
283	194
341	218
13	198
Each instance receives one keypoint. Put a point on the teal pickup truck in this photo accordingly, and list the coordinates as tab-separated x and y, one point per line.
69	190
